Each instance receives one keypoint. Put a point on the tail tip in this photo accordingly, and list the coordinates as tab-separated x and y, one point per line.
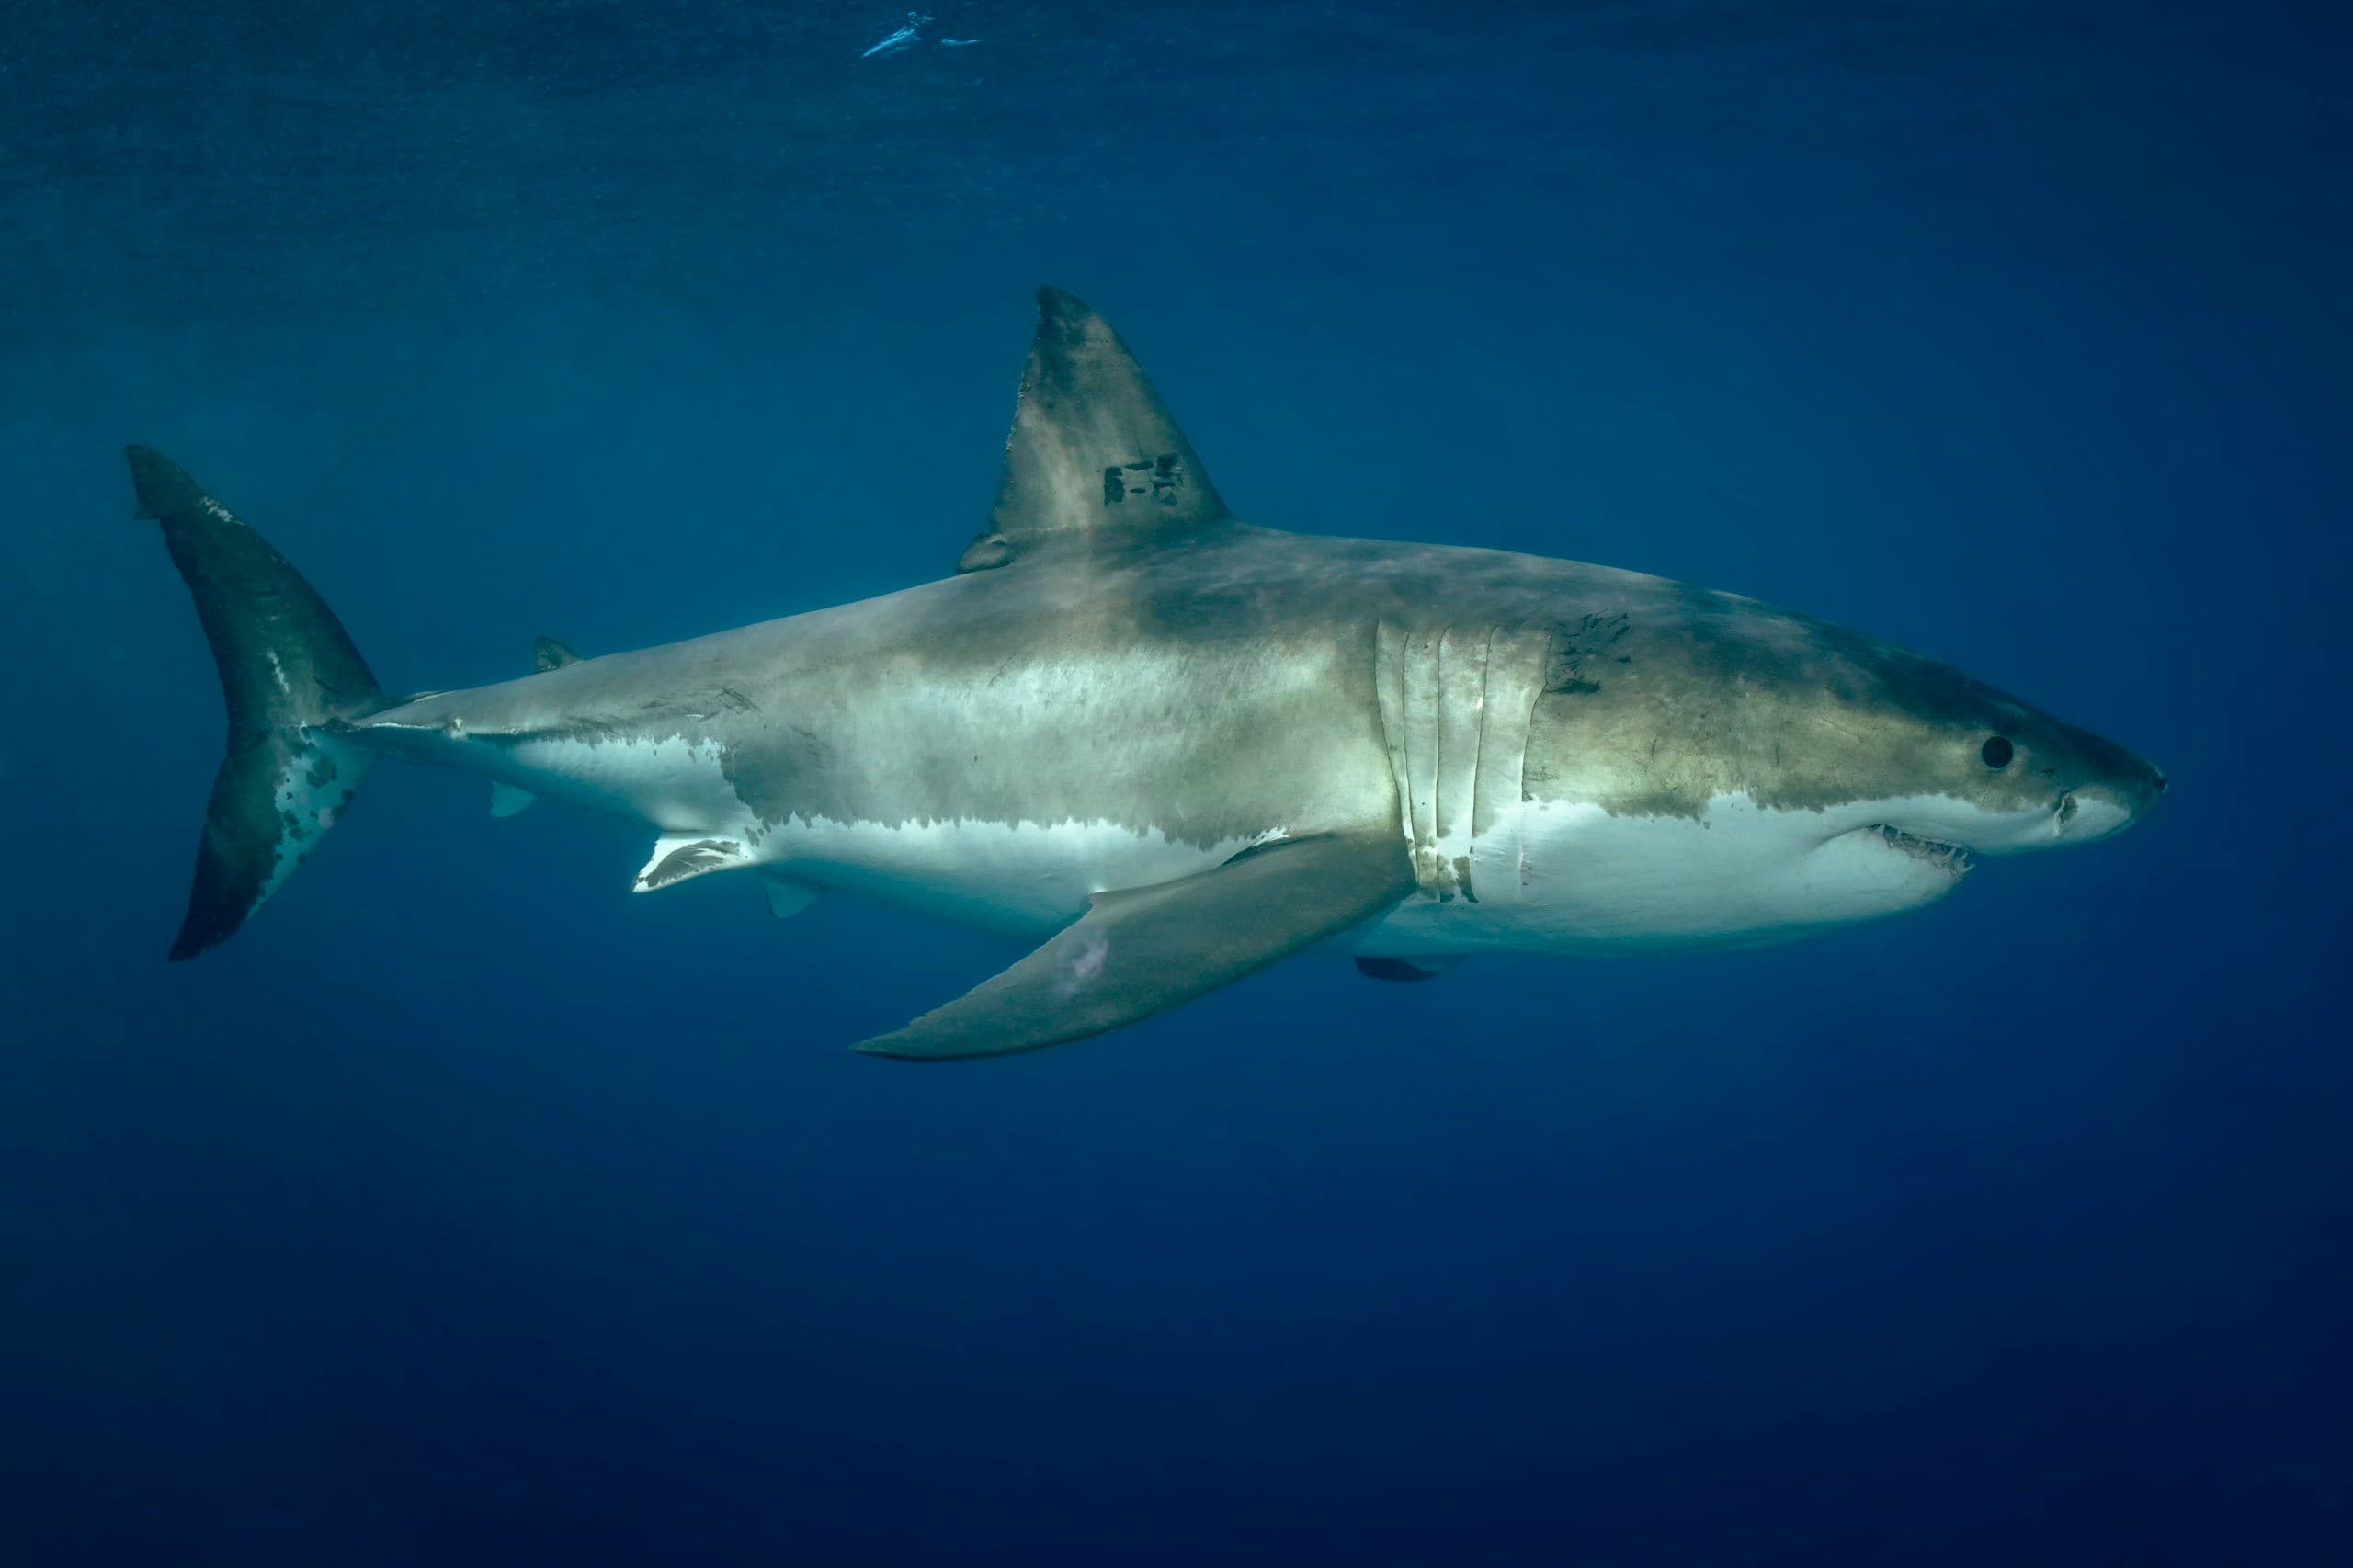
213	915
161	484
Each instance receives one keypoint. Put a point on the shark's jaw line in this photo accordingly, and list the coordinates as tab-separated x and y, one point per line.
1953	857
1738	873
1177	746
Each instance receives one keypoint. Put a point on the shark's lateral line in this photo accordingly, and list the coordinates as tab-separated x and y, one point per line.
1176	747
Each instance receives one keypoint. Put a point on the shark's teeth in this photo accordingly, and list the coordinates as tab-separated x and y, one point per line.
1953	857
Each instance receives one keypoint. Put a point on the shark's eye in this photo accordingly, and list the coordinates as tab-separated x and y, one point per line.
1997	752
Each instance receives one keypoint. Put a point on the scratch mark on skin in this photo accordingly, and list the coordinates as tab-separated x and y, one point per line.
1082	964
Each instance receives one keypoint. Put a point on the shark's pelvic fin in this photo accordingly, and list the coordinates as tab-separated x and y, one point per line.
787	898
1092	447
505	800
288	676
1406	971
1138	952
547	653
678	855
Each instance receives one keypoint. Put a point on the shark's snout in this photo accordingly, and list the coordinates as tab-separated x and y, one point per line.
2111	803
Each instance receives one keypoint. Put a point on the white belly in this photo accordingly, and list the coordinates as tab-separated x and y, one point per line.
679	786
1023	877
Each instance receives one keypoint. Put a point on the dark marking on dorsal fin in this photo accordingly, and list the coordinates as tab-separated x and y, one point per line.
1092	447
547	653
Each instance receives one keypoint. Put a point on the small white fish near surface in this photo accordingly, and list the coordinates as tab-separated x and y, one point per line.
905	38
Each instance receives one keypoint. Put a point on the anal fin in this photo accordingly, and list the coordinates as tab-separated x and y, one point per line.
1136	953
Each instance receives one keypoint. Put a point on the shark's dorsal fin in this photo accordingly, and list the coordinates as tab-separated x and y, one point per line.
1091	447
547	653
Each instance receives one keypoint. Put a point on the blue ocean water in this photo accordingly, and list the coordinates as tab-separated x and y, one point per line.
467	1209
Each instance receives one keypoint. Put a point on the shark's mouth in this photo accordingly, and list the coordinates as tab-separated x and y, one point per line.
1950	857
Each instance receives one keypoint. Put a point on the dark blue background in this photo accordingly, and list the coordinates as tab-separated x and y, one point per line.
468	1208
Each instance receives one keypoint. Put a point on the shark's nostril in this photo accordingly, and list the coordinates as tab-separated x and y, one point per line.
2158	780
2066	808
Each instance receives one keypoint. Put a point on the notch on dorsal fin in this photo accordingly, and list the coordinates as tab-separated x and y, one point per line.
547	653
1091	446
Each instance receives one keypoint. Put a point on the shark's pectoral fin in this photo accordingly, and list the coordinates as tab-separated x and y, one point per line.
677	856
1137	952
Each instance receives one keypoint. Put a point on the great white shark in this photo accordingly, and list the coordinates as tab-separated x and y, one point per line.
1173	748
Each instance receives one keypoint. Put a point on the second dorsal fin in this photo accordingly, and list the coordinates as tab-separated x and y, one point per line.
547	653
1091	447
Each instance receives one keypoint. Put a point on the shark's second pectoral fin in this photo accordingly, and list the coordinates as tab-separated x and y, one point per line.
1137	952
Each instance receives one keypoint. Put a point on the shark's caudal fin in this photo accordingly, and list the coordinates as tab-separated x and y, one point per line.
288	674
